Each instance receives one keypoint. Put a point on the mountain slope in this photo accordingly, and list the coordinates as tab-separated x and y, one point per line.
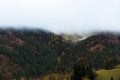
35	53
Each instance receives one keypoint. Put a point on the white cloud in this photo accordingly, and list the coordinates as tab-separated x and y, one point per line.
62	15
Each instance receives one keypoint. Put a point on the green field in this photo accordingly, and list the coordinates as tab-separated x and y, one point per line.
107	74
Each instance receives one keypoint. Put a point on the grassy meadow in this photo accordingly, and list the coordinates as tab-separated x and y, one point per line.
108	74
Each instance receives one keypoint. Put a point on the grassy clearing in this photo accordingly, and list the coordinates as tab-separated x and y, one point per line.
107	74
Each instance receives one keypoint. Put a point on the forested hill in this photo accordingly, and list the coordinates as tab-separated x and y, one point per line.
35	53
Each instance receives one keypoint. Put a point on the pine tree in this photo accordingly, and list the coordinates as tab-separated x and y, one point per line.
83	69
111	78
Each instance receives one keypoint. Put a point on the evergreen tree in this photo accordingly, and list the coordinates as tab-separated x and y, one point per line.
83	69
111	78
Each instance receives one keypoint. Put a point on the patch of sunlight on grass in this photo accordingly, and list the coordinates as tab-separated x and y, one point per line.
107	74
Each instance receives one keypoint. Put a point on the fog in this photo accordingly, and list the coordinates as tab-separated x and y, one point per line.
61	16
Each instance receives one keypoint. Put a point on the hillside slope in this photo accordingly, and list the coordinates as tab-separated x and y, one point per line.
35	53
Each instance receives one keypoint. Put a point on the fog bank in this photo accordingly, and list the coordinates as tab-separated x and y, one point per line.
62	16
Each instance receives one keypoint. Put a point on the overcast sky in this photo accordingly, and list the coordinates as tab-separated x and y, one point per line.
69	16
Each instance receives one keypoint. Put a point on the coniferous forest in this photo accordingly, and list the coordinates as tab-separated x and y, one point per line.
42	55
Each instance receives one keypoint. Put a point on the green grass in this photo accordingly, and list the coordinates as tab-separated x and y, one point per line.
107	74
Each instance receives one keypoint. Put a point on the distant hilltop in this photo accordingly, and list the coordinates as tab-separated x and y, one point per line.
75	37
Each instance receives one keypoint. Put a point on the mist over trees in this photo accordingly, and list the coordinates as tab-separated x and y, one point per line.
35	53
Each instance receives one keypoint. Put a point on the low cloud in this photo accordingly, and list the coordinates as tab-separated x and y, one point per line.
62	16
